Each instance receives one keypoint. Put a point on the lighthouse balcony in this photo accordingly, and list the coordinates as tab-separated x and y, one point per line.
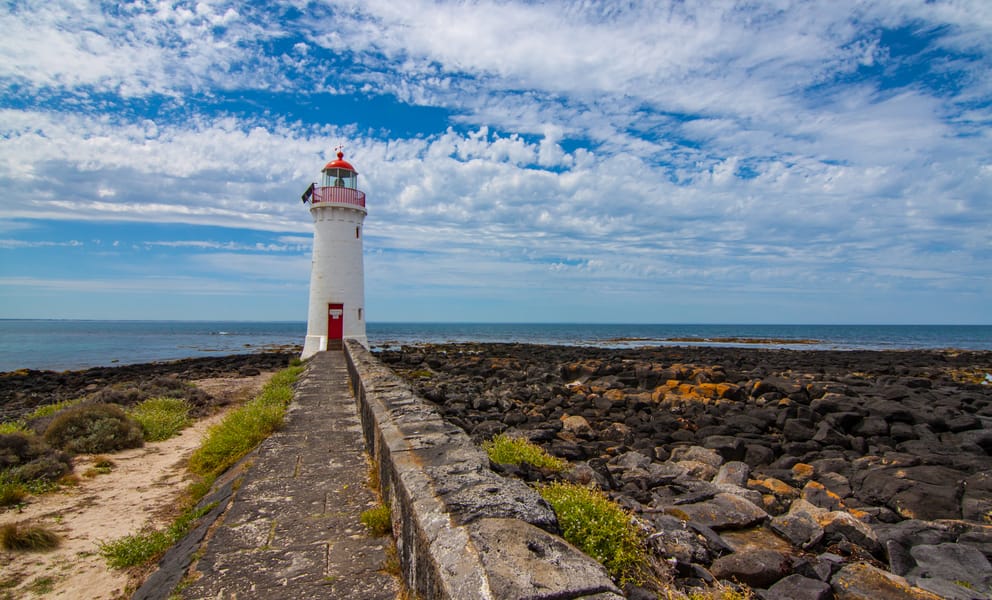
338	195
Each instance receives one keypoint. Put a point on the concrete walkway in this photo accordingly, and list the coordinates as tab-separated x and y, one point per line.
293	528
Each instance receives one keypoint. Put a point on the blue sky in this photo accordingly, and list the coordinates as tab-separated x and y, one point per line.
667	162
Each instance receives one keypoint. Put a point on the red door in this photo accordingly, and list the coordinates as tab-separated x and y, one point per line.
335	325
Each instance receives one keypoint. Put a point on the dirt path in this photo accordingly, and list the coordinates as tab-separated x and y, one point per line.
143	486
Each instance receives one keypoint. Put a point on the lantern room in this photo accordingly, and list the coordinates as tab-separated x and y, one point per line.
338	185
339	173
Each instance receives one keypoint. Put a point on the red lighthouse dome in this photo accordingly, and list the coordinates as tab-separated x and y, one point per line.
340	163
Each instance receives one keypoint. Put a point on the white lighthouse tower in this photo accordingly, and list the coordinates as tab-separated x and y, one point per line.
337	276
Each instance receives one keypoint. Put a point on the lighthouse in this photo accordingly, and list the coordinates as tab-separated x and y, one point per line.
337	275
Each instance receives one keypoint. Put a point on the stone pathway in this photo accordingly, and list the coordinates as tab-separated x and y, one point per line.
293	529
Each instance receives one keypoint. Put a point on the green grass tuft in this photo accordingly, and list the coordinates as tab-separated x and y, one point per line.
50	409
12	493
246	426
507	450
378	520
136	549
600	528
161	418
143	547
42	585
23	537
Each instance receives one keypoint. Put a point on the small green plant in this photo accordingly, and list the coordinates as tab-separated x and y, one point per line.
246	426
600	528
391	564
42	585
92	428
718	591
378	520
161	418
507	450
24	537
12	427
101	466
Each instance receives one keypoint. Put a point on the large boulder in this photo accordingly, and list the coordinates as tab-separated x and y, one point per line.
927	492
723	511
953	571
754	567
797	587
799	526
861	581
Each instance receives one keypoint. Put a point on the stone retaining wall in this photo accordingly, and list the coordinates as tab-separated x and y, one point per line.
462	531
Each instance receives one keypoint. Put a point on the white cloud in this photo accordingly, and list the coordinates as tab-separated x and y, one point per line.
12	244
768	145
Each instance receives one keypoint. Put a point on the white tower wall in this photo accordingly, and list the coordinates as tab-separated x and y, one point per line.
337	274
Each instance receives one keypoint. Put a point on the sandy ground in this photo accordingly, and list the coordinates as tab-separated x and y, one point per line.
140	491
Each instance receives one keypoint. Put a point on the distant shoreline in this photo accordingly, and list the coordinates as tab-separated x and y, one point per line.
24	389
68	344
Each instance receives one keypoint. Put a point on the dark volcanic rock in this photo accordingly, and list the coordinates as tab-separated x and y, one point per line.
756	568
724	511
850	457
797	587
952	571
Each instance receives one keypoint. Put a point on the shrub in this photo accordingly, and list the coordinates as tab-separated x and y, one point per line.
507	450
130	394
38	420
26	457
600	528
161	418
26	538
246	426
92	428
50	467
378	520
47	410
16	449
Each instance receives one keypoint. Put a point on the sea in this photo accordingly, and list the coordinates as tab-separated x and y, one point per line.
61	345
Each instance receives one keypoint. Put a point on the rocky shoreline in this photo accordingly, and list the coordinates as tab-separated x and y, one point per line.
803	474
23	390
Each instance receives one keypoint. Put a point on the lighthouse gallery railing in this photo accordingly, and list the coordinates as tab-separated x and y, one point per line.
338	195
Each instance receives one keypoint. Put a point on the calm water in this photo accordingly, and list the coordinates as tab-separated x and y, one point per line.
62	345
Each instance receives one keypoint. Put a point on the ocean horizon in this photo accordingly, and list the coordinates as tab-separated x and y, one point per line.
71	344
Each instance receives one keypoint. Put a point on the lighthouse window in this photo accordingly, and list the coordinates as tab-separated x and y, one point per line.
356	233
359	314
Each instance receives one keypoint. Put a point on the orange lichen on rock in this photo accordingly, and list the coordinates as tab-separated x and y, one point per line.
802	471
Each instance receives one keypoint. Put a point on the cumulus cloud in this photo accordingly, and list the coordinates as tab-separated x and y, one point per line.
641	148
